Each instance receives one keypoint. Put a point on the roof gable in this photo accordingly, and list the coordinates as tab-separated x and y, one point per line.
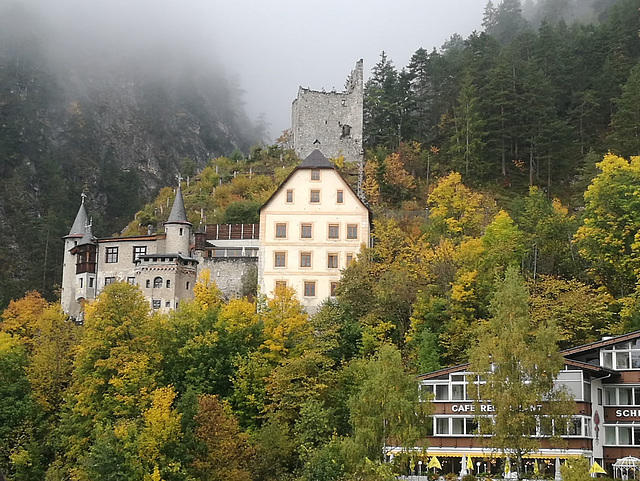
601	343
315	160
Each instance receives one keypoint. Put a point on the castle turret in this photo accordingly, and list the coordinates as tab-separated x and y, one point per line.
86	257
69	293
178	228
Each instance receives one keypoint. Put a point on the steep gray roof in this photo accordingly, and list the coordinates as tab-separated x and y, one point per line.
178	213
78	227
315	160
87	238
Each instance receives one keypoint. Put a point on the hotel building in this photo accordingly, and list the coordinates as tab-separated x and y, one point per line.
604	379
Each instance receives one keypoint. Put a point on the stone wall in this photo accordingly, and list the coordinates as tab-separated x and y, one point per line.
330	121
231	274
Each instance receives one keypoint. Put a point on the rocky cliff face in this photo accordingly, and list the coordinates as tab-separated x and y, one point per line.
117	130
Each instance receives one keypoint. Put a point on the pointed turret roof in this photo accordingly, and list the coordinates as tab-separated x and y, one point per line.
78	227
316	160
87	238
178	213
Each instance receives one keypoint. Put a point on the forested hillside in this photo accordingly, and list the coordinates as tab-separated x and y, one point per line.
76	116
501	176
515	105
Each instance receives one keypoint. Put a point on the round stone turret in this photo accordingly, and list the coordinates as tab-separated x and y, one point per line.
178	228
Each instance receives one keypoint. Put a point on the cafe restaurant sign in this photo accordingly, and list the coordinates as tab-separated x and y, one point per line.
484	408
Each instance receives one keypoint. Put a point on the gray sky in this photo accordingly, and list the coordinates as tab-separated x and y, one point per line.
270	46
277	45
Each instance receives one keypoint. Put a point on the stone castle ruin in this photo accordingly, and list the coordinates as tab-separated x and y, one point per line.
330	121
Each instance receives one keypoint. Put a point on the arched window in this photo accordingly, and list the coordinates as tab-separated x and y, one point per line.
157	283
148	283
168	283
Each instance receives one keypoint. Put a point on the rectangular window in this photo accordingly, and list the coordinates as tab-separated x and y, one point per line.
289	196
167	304
442	426
281	230
350	257
607	360
599	397
334	231
622	360
112	254
305	259
81	282
90	281
309	289
457	392
109	280
610	396
131	280
352	231
457	425
280	259
156	303
610	435
340	197
334	287
442	392
315	174
332	261
624	435
139	251
314	197
305	231
281	285
624	396
470	426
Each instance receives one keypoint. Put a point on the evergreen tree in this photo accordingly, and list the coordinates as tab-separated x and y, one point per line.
466	141
624	137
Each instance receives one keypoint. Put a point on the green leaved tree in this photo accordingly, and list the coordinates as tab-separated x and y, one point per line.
516	363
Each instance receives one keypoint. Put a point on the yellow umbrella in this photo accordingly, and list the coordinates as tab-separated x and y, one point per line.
596	468
434	463
507	466
536	469
469	463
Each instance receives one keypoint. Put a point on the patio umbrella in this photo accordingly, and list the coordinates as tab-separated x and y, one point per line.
536	469
558	476
507	468
469	463
596	468
463	471
434	463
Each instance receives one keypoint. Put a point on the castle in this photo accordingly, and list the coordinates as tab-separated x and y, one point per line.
310	229
330	121
160	264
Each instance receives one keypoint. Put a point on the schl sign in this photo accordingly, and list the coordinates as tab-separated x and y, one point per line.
627	413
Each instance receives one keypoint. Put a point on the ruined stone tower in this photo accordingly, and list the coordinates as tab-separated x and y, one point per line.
330	121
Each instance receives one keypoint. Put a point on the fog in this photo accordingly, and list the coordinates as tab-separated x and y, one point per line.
279	45
268	48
